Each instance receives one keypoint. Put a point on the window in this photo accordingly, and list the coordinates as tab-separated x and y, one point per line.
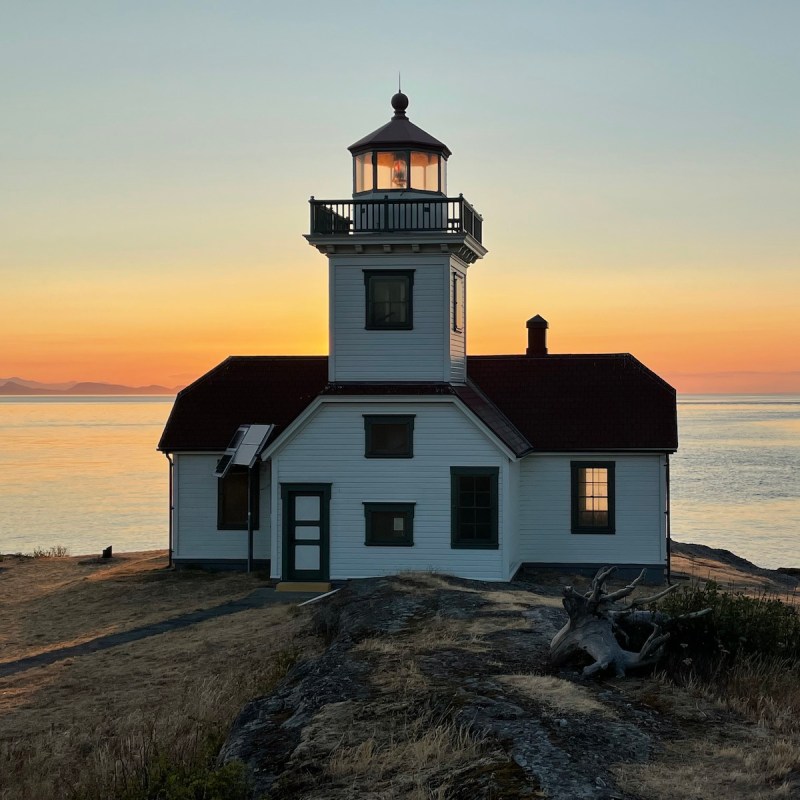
592	497
473	500
458	302
388	300
389	436
363	167
389	524
425	171
232	499
392	170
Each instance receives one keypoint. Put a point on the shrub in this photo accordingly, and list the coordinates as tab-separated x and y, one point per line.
739	627
56	551
169	781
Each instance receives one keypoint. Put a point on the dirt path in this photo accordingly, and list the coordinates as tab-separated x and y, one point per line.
258	598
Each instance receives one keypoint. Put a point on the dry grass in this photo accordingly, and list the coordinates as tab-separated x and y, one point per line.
719	755
90	726
704	768
563	696
406	756
767	690
58	602
420	743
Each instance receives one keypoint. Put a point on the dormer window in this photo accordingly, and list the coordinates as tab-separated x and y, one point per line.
389	295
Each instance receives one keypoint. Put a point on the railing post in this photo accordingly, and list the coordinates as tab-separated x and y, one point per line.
311	212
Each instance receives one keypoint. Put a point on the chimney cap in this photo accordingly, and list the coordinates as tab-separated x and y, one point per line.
537	322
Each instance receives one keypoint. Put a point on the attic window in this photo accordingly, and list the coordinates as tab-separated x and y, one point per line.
592	496
389	436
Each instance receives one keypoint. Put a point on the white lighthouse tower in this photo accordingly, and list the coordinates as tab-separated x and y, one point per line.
398	256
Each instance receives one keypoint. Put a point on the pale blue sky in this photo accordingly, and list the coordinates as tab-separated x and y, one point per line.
608	144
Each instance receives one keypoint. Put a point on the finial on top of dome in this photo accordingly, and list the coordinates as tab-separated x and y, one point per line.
399	104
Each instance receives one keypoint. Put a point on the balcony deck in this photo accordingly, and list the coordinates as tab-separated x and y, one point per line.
449	215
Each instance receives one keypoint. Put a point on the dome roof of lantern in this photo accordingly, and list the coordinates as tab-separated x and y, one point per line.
399	132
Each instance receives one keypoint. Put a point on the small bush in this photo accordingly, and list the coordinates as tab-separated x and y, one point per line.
168	781
739	626
56	551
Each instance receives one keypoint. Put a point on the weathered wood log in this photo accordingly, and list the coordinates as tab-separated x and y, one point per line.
598	620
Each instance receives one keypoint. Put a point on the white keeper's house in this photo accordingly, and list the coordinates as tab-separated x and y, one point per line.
398	451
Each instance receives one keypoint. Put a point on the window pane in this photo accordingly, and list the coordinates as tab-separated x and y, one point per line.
475	509
459	302
389	525
392	170
307	508
389	297
592	497
233	498
390	438
425	171
363	165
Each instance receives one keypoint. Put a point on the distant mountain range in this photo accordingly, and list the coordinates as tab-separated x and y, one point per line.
20	386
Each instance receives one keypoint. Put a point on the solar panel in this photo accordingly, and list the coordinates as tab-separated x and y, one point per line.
245	448
222	466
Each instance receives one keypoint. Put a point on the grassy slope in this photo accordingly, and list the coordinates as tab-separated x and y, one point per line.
90	722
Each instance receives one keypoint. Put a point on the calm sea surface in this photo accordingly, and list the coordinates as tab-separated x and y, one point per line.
84	473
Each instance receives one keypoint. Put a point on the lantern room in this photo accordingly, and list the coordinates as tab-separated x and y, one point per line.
399	157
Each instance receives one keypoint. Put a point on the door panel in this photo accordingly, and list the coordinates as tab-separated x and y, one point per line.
305	531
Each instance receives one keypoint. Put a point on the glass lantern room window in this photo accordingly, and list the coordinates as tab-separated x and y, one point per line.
392	170
382	170
363	167
425	171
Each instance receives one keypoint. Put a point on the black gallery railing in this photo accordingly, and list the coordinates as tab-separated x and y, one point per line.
448	215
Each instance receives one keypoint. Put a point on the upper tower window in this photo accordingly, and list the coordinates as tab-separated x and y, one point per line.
388	297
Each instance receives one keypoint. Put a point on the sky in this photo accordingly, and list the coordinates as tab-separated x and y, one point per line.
637	166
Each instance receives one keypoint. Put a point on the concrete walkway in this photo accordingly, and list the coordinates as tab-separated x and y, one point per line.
258	598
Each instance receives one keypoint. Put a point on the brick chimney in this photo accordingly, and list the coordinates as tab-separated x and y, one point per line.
537	336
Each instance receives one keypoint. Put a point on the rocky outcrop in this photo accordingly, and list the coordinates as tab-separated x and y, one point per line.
433	684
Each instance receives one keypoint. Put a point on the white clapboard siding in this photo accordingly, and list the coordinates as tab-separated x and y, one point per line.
330	449
420	354
195	533
545	512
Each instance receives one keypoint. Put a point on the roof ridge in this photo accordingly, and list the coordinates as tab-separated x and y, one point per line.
549	356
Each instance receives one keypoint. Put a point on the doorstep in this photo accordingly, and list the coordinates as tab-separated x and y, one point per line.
303	586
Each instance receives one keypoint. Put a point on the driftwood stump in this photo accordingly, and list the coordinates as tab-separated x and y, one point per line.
600	624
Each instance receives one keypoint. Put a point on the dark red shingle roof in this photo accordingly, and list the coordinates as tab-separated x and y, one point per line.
242	390
581	402
547	403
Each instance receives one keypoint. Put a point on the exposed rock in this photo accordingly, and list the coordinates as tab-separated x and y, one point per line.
412	695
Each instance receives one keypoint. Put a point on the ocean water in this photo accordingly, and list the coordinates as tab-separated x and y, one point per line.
736	477
84	473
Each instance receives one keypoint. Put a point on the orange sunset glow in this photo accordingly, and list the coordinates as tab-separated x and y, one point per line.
154	205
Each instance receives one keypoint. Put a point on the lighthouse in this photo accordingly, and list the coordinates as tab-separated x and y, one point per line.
398	256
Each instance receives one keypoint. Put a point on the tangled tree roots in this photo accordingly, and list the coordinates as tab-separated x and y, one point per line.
600	624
